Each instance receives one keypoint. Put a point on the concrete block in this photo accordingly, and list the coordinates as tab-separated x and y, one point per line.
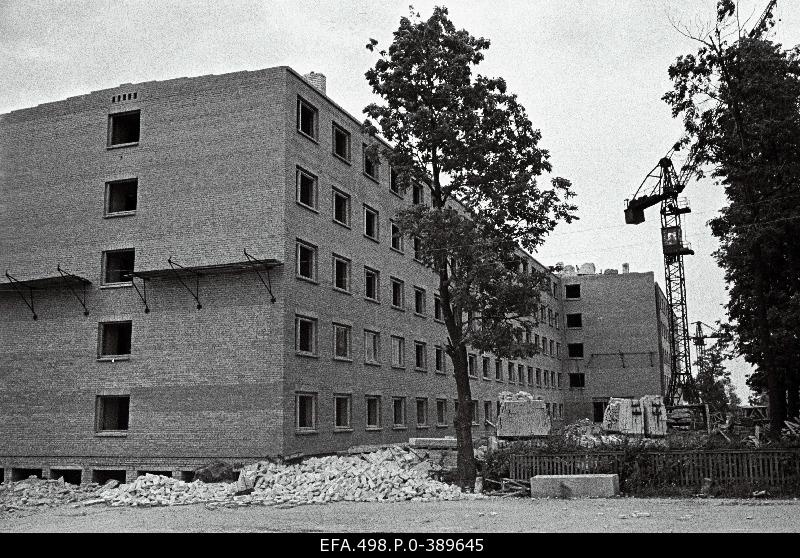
432	443
523	419
574	486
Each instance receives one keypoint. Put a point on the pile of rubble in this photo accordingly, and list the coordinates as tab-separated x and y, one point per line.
519	396
391	475
37	493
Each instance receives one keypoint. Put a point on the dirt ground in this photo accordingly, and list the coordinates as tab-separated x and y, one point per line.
515	515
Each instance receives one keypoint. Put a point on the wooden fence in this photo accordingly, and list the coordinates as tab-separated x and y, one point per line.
769	467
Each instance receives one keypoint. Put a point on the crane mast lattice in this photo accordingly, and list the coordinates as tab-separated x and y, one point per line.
663	185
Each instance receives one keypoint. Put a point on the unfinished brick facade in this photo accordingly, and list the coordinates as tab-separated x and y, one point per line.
217	162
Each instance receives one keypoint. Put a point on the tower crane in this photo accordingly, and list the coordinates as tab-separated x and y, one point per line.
699	339
663	185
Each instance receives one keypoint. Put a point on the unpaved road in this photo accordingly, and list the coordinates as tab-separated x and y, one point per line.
490	515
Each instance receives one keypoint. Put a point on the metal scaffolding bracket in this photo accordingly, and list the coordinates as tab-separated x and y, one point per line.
143	292
268	282
73	279
18	288
196	292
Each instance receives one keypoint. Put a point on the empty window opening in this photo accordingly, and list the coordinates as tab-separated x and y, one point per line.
341	208
437	307
342	404
598	410
341	341
102	476
572	291
472	365
370	223
372	347
574	320
399	411
575	350
306	411
121	196
417	248
112	413
510	371
394	181
371	277
306	332
306	188
419	301
373	412
341	273
123	128
306	261
417	195
187	476
118	266
71	476
577	380
420	355
18	474
115	338
439	359
397	238
398	351
441	412
422	412
397	293
486	365
370	163
530	375
521	373
474	412
341	142
306	118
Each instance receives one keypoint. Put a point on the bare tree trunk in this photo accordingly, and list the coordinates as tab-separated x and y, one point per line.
793	392
776	390
463	421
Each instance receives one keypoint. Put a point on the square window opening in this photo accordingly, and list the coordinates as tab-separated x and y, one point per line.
112	413
115	339
121	196
123	128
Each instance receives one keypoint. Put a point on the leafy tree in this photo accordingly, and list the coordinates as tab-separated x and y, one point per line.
738	96
713	381
472	146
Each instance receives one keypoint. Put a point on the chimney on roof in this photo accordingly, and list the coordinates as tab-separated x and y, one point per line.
317	80
626	268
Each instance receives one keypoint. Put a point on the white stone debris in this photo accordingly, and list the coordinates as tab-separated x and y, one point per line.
389	475
34	492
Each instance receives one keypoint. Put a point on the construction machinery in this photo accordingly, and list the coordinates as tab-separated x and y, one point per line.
662	186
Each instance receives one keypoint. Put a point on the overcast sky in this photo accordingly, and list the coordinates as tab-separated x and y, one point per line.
590	73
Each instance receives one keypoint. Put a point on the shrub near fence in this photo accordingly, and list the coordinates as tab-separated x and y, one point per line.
645	471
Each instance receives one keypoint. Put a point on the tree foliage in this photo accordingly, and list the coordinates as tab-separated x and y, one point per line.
739	97
470	143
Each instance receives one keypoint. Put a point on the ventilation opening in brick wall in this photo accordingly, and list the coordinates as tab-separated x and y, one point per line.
143	472
71	476
123	128
2	475
102	476
18	474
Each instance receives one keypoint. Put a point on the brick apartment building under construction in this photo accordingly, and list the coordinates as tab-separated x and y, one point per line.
207	268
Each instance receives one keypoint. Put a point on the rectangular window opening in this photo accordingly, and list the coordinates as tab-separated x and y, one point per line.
115	338
121	196
112	413
118	266
123	128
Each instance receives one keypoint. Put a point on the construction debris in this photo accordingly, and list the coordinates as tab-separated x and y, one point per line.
522	416
34	492
389	475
